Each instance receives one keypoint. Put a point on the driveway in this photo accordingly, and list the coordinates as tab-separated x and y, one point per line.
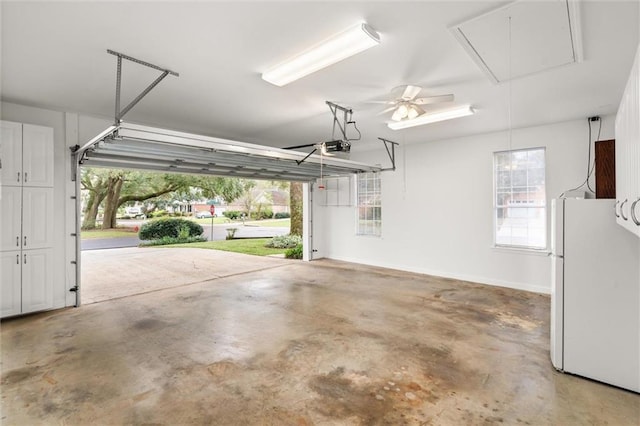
116	273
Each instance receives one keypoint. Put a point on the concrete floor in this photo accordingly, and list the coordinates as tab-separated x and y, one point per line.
324	343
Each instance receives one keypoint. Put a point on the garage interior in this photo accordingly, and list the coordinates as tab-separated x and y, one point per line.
420	315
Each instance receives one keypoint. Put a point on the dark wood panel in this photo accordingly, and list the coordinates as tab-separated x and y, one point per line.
605	157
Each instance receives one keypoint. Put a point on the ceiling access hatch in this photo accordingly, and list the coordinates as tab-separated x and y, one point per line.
130	146
523	38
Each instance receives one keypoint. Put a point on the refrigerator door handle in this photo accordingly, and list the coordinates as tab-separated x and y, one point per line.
621	209
633	212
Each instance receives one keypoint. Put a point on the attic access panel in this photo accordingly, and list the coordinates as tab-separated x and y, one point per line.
523	38
130	146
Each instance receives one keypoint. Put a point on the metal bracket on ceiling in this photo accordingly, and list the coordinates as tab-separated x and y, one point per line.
120	113
346	119
390	152
341	144
308	155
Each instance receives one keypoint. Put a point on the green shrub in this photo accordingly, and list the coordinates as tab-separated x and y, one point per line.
264	214
157	213
169	227
232	214
282	215
284	241
294	253
172	240
231	233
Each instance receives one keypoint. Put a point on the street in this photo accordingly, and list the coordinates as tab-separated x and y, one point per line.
219	233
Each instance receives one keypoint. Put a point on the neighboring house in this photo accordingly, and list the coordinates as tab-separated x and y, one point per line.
274	199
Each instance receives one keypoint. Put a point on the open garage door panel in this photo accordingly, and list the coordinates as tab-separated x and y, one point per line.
132	146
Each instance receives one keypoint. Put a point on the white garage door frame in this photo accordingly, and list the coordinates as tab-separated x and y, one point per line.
132	146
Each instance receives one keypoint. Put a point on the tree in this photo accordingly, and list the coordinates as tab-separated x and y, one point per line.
114	188
295	203
95	181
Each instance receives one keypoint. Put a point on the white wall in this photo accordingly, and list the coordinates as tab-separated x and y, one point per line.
437	207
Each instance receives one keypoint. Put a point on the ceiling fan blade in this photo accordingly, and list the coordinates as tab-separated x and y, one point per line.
386	110
411	92
433	99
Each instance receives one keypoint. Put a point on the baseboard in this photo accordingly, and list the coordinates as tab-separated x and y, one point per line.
443	274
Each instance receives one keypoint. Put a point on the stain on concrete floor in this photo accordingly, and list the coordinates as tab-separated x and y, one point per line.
323	343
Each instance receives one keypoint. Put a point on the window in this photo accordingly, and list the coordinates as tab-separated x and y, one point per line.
520	207
369	211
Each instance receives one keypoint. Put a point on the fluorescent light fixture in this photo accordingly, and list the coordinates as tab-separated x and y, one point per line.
433	117
354	40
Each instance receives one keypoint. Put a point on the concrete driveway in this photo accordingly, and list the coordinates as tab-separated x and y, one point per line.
115	273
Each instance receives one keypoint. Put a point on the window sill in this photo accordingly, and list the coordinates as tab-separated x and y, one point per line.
519	250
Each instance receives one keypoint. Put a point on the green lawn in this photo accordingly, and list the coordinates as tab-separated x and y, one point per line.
107	233
253	246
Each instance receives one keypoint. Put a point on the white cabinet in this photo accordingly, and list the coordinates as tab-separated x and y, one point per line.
11	289
37	282
37	155
37	218
26	151
628	153
26	222
11	153
11	217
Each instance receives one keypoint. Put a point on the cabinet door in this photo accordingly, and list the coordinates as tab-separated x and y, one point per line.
37	155
37	218
10	217
11	284
37	281
11	153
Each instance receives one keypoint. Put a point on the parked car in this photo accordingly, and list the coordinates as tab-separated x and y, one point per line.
135	212
203	214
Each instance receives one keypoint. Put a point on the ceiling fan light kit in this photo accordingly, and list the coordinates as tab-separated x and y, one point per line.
350	42
408	106
433	117
412	113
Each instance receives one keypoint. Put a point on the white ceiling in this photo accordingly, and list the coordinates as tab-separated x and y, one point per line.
54	55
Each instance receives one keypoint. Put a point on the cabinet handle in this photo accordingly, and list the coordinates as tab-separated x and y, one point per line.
17	259
25	177
25	240
17	241
18	176
615	208
621	207
633	212
25	258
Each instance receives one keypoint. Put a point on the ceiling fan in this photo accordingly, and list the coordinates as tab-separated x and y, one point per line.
408	106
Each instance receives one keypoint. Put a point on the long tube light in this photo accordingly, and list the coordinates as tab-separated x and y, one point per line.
433	117
354	40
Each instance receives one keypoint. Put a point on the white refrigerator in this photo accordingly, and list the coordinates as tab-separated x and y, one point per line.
595	293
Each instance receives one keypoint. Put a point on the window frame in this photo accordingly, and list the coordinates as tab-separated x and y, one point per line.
372	227
528	204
